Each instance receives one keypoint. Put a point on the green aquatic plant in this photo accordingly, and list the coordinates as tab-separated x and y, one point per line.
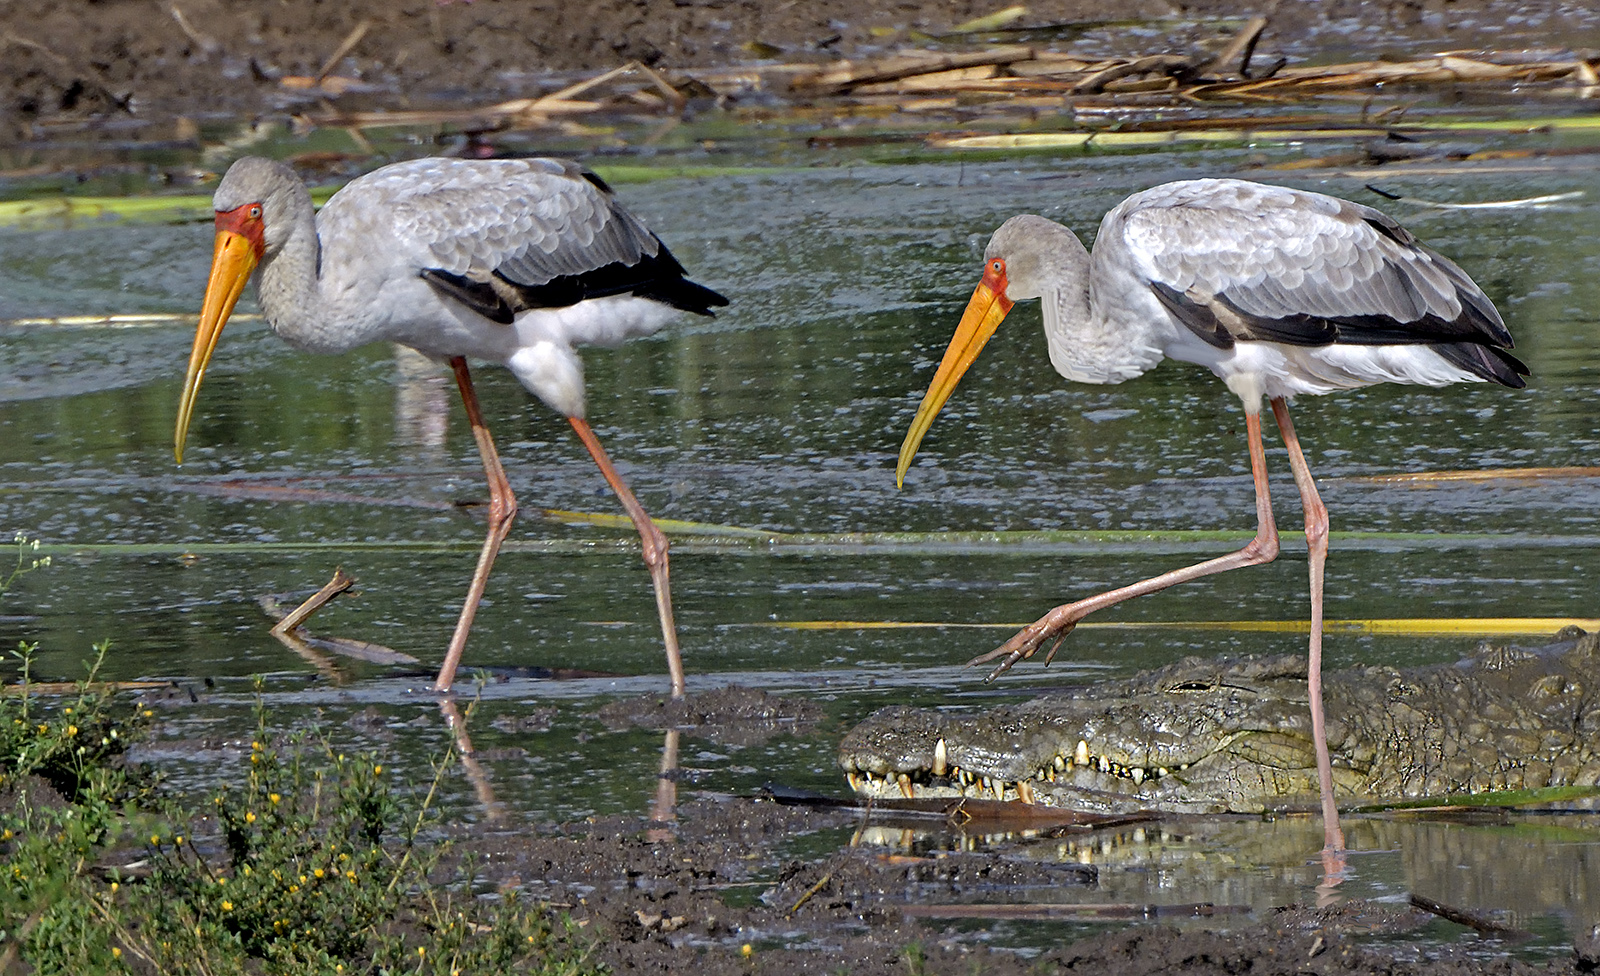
306	861
314	862
26	561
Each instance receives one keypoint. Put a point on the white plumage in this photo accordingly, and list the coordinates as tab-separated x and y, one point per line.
1278	292
1323	281
514	261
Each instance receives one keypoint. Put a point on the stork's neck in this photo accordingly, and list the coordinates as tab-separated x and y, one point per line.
1092	337
289	286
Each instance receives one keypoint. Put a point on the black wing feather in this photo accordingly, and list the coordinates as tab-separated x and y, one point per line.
658	277
1471	340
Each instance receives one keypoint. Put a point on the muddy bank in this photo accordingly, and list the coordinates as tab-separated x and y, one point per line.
135	64
721	884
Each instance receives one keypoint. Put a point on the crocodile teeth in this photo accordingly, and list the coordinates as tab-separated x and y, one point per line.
905	787
999	789
1163	771
1080	755
1138	775
1050	775
1105	765
941	757
855	781
1025	791
1061	763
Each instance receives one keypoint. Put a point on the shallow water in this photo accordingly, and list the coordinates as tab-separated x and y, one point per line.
784	414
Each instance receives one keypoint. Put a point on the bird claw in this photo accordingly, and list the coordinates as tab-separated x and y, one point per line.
1024	645
1004	666
1069	628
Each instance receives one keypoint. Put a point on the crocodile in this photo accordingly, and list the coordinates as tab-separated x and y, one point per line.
1234	735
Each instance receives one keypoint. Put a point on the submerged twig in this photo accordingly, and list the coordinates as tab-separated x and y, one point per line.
294	618
289	631
1473	920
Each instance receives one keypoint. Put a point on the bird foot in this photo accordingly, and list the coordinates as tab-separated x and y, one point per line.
1027	641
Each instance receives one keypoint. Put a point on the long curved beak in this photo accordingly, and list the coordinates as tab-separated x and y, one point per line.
987	307
231	264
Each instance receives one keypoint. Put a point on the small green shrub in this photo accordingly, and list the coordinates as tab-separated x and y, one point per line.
310	863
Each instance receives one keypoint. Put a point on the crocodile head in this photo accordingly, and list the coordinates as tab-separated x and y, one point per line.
1203	736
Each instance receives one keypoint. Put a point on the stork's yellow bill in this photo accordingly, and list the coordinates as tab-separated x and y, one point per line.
237	252
985	310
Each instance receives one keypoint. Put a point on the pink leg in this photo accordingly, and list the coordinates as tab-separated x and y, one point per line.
1317	545
1060	621
654	542
664	811
493	809
502	511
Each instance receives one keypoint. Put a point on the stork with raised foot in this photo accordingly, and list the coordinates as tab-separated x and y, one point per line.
1279	292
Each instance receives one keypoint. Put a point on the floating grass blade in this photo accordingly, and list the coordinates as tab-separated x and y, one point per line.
1402	626
670	526
1486	474
155	320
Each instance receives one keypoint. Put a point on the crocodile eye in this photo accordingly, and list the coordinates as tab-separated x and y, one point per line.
1193	686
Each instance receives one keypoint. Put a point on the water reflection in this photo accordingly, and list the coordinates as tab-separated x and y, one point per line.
492	810
422	405
783	414
1525	869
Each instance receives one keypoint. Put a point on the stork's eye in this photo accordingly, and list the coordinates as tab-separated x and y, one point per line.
255	211
998	267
